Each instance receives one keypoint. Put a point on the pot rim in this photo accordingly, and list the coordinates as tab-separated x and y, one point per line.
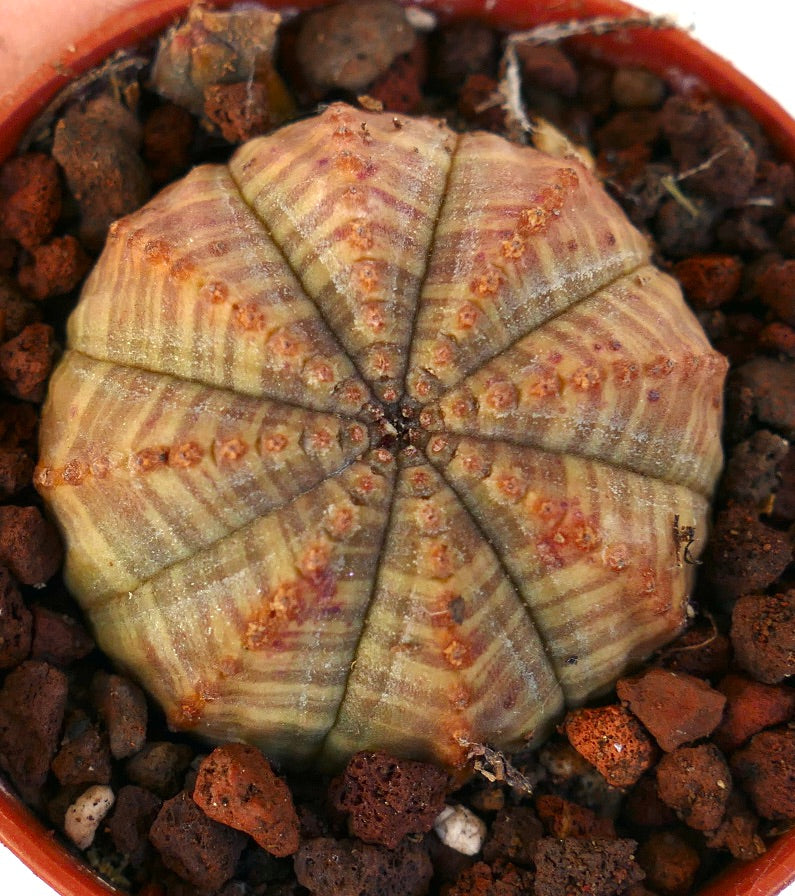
671	53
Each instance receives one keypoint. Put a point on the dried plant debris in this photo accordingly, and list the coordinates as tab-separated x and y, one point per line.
119	77
690	764
519	123
224	58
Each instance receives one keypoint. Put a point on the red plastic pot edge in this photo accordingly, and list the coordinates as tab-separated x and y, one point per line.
768	875
670	53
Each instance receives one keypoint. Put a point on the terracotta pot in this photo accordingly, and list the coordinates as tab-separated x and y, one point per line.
97	27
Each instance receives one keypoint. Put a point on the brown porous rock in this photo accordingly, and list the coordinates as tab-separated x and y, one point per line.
750	707
16	310
702	651
30	198
386	798
636	88
399	89
627	130
198	849
767	773
763	635
752	472
778	337
83	759
32	705
695	782
709	281
242	110
745	554
29	544
675	707
465	48
569	773
26	362
134	812
482	879
18	430
167	136
599	867
96	143
16	623
56	268
479	104
670	863
612	740
547	67
513	836
784	506
16	469
237	787
58	638
771	388
775	285
160	767
328	867
702	138
737	832
8	253
122	706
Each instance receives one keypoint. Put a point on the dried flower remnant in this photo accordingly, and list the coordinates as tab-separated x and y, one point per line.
411	453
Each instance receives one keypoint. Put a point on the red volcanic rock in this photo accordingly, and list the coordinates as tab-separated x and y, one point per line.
598	867
56	268
709	281
195	847
58	638
329	867
763	635
122	705
766	771
237	786
133	813
751	706
676	707
16	623
484	880
612	740
30	198
386	798
32	705
29	544
26	362
695	782
513	836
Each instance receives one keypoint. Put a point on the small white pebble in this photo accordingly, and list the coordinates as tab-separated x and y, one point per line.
421	19
85	814
460	829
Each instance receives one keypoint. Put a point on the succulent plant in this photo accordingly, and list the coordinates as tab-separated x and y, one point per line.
381	436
